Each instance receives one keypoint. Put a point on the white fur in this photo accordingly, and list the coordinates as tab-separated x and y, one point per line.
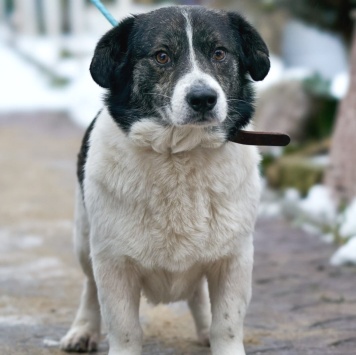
189	30
180	109
167	208
171	139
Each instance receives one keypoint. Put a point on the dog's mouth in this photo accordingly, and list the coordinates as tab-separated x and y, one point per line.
202	119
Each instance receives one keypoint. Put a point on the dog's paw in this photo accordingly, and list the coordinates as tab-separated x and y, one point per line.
80	340
203	337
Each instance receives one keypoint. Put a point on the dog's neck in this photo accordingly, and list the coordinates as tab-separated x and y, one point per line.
174	139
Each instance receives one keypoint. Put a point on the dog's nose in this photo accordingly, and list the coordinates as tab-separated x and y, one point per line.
202	99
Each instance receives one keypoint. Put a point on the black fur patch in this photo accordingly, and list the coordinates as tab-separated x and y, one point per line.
83	153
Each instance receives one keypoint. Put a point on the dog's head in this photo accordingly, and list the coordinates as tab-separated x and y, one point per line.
181	66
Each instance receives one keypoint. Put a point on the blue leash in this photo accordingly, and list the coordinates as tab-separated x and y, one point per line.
105	12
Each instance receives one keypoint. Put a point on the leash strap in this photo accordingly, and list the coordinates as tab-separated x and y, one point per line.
99	5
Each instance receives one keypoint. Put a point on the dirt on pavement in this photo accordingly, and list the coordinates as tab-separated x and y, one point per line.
300	304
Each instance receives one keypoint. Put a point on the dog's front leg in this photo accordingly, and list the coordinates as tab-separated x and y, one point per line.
230	293
119	295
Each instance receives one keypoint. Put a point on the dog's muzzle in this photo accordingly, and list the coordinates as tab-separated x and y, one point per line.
202	100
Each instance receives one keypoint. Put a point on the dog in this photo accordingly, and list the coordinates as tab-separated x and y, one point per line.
165	203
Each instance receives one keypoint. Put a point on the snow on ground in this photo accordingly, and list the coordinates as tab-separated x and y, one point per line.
22	87
305	45
348	223
340	85
50	343
25	87
319	206
346	255
9	241
319	210
13	320
42	268
279	73
317	214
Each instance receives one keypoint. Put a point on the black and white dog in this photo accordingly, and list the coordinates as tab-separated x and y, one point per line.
165	201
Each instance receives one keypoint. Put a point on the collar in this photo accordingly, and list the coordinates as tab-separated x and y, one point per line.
261	138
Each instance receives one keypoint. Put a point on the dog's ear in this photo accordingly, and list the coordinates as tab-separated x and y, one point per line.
255	52
110	52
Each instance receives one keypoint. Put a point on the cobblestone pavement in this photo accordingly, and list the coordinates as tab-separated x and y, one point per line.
300	304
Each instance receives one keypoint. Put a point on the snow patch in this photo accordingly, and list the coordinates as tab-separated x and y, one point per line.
348	223
307	46
30	90
269	209
340	85
40	269
328	238
10	242
279	73
49	343
346	255
320	160
319	205
310	228
14	320
23	88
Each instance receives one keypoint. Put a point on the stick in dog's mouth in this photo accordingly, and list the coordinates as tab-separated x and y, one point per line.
261	138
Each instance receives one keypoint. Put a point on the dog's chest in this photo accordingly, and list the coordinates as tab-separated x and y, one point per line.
172	211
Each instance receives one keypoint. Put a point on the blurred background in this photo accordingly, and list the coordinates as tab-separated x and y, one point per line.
310	93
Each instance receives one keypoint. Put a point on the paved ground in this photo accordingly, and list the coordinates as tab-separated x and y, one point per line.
300	304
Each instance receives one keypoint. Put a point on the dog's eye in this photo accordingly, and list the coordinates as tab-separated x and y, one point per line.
162	57
219	55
